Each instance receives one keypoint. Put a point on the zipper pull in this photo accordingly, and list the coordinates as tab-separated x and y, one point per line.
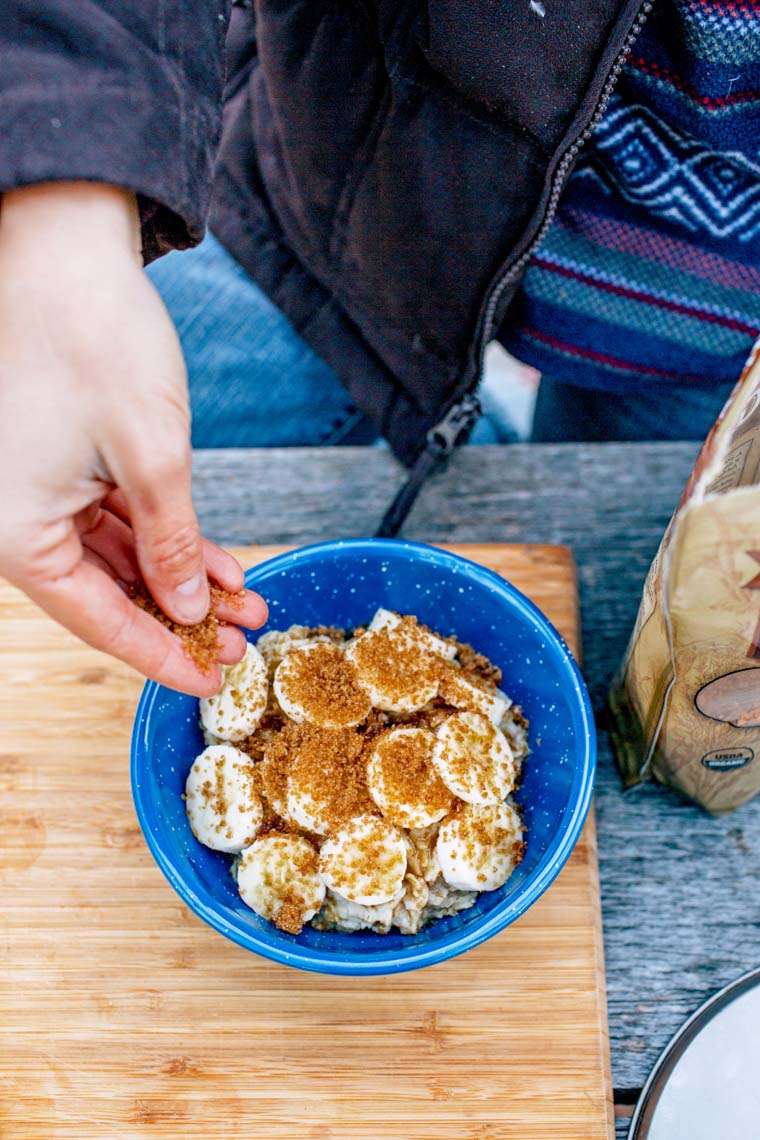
441	440
455	426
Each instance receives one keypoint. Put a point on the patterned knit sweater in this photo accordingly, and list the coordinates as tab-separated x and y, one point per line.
650	273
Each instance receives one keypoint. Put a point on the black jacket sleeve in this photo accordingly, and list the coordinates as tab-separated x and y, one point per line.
120	91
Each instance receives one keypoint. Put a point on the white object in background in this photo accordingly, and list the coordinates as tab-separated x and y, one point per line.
705	1085
508	391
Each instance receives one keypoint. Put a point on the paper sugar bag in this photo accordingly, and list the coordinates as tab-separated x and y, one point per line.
686	703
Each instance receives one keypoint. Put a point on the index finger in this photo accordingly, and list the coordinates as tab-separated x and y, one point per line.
222	568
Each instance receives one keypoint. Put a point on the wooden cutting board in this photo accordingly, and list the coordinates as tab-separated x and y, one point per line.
124	1017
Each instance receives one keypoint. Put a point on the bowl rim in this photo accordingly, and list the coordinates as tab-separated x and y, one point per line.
457	941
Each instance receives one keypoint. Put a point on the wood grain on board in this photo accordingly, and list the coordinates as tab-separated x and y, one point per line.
122	1015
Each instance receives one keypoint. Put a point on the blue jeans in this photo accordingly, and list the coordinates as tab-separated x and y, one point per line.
255	383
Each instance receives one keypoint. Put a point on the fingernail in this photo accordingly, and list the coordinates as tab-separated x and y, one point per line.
193	598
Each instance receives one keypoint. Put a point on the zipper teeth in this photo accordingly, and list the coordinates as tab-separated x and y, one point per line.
560	173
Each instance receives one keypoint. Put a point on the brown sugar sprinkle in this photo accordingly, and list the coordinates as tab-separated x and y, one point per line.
477	668
479	837
328	764
472	745
370	866
324	683
256	744
393	663
432	716
272	780
405	761
234	601
200	642
332	631
376	723
288	918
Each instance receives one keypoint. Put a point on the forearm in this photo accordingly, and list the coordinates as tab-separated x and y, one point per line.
95	488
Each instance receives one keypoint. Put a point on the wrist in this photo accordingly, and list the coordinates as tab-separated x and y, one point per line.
52	214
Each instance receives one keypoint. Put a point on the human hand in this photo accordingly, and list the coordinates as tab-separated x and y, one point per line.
95	424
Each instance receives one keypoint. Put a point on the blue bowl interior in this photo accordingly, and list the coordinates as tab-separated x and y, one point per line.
343	584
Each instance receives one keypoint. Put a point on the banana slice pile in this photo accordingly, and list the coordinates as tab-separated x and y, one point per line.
365	749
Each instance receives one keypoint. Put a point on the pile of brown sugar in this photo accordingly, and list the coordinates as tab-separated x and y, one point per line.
409	775
329	764
477	668
393	663
200	642
324	683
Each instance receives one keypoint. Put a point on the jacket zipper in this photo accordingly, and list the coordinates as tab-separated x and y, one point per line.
441	440
558	184
456	425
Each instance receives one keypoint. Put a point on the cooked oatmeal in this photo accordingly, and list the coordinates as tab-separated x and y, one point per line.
368	776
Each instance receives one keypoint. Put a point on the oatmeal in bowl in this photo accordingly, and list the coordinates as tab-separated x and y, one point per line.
367	793
362	779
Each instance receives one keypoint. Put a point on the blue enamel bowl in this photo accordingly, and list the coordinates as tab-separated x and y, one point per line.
342	584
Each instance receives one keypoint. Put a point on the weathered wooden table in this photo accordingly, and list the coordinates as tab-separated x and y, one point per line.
679	889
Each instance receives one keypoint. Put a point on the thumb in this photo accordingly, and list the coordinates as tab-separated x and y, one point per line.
157	490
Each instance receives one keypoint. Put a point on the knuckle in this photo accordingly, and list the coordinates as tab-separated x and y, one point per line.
155	468
41	557
171	553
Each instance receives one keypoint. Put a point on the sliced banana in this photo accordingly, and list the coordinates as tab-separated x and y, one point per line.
365	861
479	846
410	630
327	779
463	694
319	685
277	643
236	710
278	877
402	780
398	675
222	805
474	759
308	805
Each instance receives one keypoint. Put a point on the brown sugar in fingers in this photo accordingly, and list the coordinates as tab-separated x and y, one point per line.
225	597
200	642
